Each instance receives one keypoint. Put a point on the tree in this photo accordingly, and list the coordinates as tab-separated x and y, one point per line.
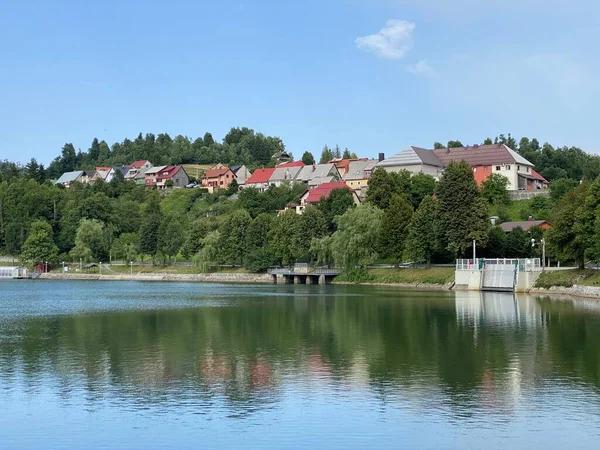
170	238
421	186
495	189
68	158
355	241
283	238
90	242
395	227
39	246
151	221
561	187
326	155
258	258
312	225
438	145
346	154
517	244
338	202
495	247
464	212
208	256
563	240
454	144
232	242
125	247
193	243
488	141
585	221
425	236
383	185
308	158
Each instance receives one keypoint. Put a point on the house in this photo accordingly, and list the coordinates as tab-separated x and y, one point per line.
137	171
317	174
113	171
284	174
241	174
314	196
215	179
259	179
159	176
525	225
282	157
415	160
343	165
358	174
484	160
78	176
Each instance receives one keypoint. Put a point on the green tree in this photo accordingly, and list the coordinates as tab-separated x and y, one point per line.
90	241
193	242
438	145
395	227
338	202
170	238
208	256
495	189
585	221
258	257
425	236
125	247
421	186
233	231
346	154
496	245
39	246
151	221
308	158
561	187
454	144
563	240
464	212
517	244
283	238
326	155
383	185
355	241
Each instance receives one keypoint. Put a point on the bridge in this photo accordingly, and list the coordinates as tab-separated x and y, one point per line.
303	274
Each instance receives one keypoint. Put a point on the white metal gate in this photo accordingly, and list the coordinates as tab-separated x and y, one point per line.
499	277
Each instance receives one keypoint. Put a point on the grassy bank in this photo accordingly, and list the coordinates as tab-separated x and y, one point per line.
434	275
568	278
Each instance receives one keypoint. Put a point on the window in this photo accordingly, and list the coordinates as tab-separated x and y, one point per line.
221	183
485	169
528	169
518	168
497	168
507	167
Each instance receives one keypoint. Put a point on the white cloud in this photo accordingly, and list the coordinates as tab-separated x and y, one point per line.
423	69
392	42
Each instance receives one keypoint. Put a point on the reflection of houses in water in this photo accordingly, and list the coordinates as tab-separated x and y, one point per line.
497	309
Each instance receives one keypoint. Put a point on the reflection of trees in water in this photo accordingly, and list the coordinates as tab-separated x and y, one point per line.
479	350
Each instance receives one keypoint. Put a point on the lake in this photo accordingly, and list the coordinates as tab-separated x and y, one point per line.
91	364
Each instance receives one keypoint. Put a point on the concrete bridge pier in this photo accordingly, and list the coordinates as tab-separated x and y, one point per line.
299	279
309	280
322	279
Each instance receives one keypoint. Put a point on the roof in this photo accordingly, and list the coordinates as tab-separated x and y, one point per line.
234	169
103	169
315	171
292	164
216	173
69	177
170	172
356	169
537	176
287	173
138	164
411	157
122	169
345	163
481	155
260	176
324	191
524	225
155	170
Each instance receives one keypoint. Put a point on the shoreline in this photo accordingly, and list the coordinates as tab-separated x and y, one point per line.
255	278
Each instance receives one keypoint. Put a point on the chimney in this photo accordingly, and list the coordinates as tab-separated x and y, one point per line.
381	157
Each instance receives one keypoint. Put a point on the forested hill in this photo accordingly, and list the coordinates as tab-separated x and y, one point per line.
239	146
552	162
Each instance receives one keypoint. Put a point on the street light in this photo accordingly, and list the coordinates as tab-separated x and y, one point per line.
543	243
63	267
131	266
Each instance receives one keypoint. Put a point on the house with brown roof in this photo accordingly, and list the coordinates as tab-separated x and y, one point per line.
215	179
484	159
525	225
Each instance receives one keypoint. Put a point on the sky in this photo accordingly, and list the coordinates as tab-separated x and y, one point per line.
371	75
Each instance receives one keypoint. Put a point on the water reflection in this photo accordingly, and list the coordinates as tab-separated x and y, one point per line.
461	353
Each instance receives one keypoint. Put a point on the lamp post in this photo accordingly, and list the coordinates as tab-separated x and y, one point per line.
100	267
543	244
63	266
131	266
46	271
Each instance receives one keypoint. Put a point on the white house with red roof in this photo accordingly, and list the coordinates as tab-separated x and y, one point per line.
259	179
484	160
323	191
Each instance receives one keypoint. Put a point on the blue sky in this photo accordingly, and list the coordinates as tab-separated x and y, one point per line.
371	75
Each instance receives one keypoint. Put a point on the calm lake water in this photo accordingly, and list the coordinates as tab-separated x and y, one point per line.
156	365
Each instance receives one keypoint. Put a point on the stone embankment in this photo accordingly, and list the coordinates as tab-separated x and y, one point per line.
576	290
193	278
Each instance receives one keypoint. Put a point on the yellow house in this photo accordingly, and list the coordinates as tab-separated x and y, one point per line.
358	174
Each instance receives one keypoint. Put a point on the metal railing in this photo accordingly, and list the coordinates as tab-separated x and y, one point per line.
524	264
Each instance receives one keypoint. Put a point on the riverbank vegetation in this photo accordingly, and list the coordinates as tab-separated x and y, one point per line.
568	278
404	217
432	275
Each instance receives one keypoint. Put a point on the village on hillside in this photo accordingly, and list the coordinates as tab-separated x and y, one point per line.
320	180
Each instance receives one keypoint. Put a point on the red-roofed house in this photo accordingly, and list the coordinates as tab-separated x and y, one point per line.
137	171
259	179
158	176
215	179
140	164
292	164
323	191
